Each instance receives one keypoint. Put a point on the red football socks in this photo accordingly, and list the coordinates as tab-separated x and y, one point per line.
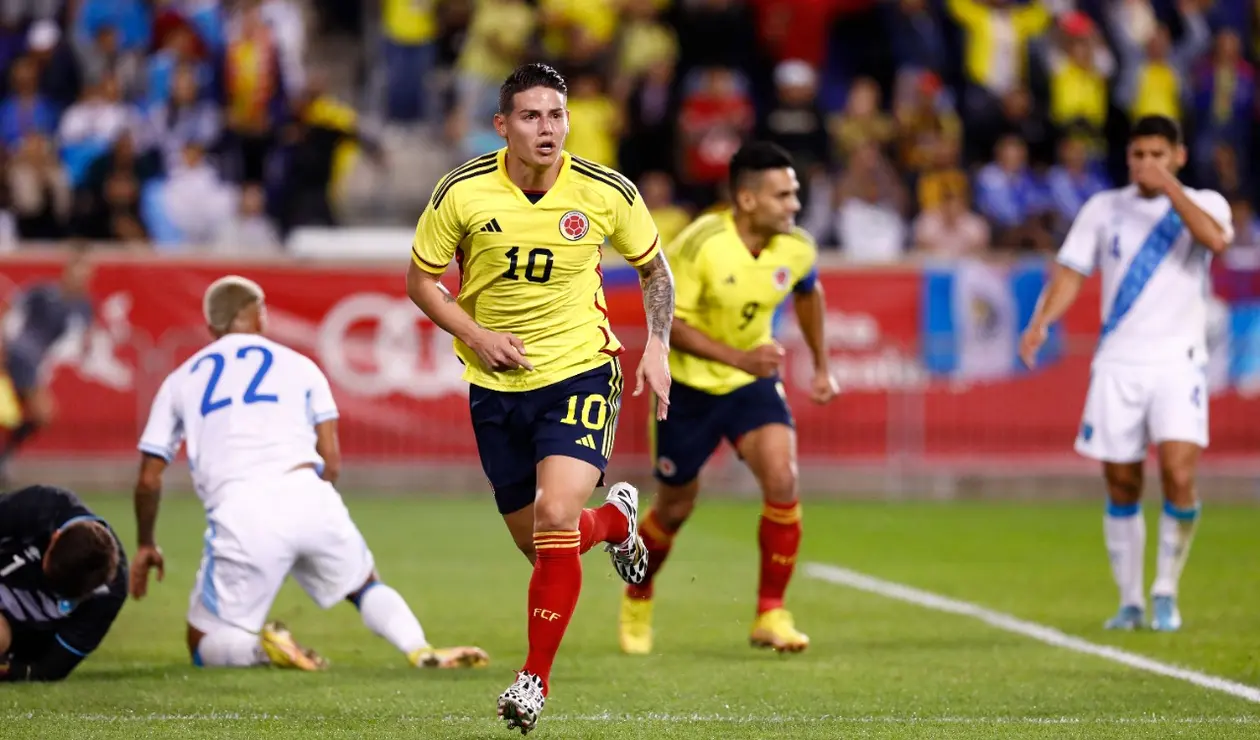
605	524
659	539
553	595
780	538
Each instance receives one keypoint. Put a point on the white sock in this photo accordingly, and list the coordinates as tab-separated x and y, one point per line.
229	647
1176	531
1125	532
386	613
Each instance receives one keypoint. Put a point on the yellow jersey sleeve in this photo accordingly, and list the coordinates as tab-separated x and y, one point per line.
685	263
634	232
439	231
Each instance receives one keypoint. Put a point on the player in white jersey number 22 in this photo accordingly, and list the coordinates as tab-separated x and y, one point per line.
1153	242
260	426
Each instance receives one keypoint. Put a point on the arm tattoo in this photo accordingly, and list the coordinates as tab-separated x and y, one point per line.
658	296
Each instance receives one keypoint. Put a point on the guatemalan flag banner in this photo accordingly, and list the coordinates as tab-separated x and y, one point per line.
973	313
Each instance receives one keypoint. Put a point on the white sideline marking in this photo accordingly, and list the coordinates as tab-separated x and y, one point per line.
1049	635
656	717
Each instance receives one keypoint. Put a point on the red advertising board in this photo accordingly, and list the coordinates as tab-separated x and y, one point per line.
402	399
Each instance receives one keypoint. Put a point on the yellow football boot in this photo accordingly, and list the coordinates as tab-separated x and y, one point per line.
452	657
775	629
285	652
635	625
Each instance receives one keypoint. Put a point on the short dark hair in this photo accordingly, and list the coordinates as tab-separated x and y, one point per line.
528	76
84	558
1161	126
756	157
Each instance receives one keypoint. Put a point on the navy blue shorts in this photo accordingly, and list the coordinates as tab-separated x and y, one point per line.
22	371
576	417
699	421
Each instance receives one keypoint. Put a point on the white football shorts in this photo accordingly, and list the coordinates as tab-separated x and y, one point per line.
1130	407
266	529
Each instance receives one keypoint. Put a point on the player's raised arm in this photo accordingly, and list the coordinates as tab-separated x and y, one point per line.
438	234
1209	220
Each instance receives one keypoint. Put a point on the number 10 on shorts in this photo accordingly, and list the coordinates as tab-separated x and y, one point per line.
594	412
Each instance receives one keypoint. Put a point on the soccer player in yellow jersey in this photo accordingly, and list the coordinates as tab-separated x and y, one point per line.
526	226
733	269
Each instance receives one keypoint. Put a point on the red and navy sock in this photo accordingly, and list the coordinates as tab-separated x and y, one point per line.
780	538
553	597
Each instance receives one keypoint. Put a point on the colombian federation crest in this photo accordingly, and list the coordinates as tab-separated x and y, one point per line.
574	225
781	278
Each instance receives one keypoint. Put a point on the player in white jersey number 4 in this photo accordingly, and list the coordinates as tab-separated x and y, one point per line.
1153	241
260	426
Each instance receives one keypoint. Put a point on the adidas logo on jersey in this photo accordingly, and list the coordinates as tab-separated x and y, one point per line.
492	226
587	441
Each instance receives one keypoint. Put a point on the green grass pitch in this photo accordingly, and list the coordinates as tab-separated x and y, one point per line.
877	667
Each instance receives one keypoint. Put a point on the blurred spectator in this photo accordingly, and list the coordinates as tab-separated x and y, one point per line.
1072	182
1079	65
650	122
131	21
495	44
594	121
995	46
1154	77
25	112
917	41
1225	173
39	191
12	44
114	214
59	79
1009	196
1019	115
657	190
925	116
182	119
288	29
195	201
324	136
105	56
122	159
254	93
92	125
644	41
1246	225
180	48
795	122
715	33
794	29
1225	95
410	29
951	231
715	118
249	231
862	122
870	208
576	32
943	175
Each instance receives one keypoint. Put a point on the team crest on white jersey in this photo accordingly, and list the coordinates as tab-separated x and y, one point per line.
574	225
781	278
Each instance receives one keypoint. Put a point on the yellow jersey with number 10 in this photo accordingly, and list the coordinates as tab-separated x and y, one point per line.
730	294
532	268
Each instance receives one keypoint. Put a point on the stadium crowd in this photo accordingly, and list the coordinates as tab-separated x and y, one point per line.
942	127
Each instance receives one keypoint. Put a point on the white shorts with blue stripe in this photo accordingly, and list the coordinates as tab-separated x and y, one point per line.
1130	407
265	530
